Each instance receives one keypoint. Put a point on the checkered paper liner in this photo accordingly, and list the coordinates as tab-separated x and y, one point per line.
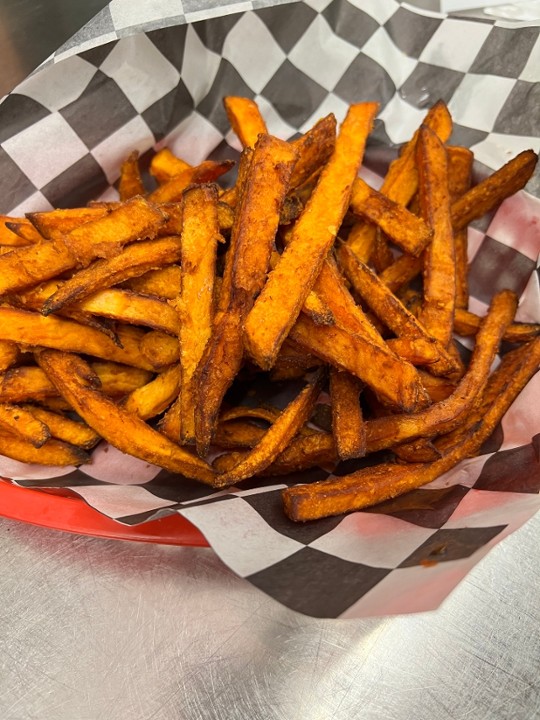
66	129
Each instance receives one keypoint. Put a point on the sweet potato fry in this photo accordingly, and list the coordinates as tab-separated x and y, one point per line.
130	183
53	224
460	160
153	398
439	259
490	192
467	323
401	272
72	377
206	172
9	354
53	452
129	307
20	422
252	238
195	302
165	165
135	260
65	429
160	349
282	297
163	282
277	437
33	329
15	232
314	149
245	119
237	434
406	230
348	424
304	453
373	485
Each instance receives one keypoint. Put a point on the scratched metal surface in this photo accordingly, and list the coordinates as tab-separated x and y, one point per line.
98	630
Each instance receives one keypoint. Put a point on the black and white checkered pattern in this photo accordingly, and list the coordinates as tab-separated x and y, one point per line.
64	132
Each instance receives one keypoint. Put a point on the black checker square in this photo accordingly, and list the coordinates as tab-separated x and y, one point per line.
426	508
514	470
411	31
213	33
177	488
429	83
316	583
81	182
496	267
14	185
287	30
99	54
171	42
116	110
227	82
350	23
169	111
76	478
493	442
451	544
18	112
520	114
269	505
466	136
294	95
505	51
365	80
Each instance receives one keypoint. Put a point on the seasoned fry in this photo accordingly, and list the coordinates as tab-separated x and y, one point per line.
19	421
460	162
151	399
130	183
276	438
9	354
467	323
163	282
401	272
282	297
245	119
63	428
165	165
206	172
73	379
15	232
53	452
53	224
159	349
348	424
132	308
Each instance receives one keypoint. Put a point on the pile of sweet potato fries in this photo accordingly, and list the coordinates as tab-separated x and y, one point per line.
130	321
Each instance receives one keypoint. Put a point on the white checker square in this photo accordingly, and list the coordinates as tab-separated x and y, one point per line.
474	240
134	135
522	419
274	122
251	49
330	104
455	43
15	470
479	99
141	71
110	194
45	149
199	68
243	540
117	501
112	466
373	539
373	180
219	11
130	14
318	5
401	119
193	139
517	224
321	55
497	149
484	508
530	71
379	11
36	202
385	53
529	302
84	46
58	85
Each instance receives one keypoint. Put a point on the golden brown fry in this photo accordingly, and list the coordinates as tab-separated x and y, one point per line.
73	379
135	260
393	379
18	420
252	238
373	485
237	434
314	149
65	429
304	453
437	312
245	119
165	165
277	437
9	354
33	329
159	349
460	160
467	323
195	302
153	398
15	232
281	299
406	230
129	307
206	172
417	351
130	183
391	311
494	189
401	272
348	424
53	224
163	282
52	453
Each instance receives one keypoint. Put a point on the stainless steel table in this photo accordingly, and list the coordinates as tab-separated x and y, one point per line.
97	630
